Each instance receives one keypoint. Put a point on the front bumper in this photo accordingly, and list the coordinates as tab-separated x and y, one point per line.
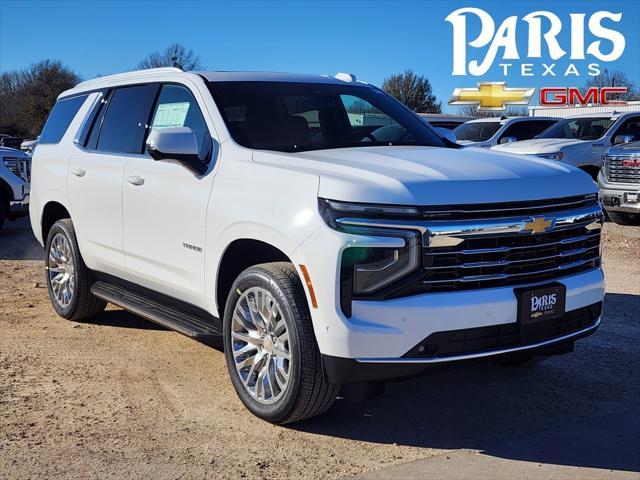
19	208
613	196
345	370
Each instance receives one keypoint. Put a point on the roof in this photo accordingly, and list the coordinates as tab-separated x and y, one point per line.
503	119
271	77
610	114
141	75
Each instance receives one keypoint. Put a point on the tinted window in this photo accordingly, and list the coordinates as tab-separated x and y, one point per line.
176	107
60	118
579	128
477	131
631	126
124	121
538	127
288	116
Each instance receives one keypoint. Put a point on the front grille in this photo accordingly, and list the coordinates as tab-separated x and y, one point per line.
508	335
498	251
623	168
19	167
488	261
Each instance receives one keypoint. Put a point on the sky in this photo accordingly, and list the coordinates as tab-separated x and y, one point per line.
372	39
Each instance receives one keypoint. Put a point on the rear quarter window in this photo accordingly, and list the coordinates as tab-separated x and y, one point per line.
60	118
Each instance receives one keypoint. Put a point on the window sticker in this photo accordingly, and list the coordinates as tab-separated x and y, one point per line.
171	115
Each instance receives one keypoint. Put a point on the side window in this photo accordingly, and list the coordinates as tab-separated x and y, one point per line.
631	126
177	107
124	121
60	118
519	130
540	126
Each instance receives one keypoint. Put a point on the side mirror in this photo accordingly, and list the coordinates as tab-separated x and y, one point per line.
508	140
623	139
176	143
446	133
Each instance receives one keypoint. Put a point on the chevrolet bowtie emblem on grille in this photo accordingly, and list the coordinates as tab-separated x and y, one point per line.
537	225
491	96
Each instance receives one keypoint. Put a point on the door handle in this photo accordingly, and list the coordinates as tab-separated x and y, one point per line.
135	180
78	172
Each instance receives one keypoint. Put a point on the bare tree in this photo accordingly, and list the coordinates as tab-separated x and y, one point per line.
27	96
616	78
175	55
472	111
413	90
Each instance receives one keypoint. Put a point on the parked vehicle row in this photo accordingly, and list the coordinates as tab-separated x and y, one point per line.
15	173
601	144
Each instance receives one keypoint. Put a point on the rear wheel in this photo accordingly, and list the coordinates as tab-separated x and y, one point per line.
271	352
68	278
624	218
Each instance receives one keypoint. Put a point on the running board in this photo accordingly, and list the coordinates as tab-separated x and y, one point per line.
170	317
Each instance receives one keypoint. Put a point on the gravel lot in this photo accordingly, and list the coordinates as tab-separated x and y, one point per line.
119	397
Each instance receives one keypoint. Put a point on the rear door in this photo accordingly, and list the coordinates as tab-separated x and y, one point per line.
165	205
96	172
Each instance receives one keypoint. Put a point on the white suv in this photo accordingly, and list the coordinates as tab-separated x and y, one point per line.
582	140
322	247
488	132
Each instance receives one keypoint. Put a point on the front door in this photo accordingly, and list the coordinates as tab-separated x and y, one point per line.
165	207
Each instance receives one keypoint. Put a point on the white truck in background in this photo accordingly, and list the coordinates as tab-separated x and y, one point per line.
580	141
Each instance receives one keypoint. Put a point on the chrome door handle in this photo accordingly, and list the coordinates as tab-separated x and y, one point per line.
78	172
135	180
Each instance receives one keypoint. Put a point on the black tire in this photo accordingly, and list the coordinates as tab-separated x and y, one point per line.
308	393
82	304
624	219
525	362
3	212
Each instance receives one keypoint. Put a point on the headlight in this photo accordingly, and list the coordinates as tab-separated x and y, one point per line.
375	268
551	156
366	271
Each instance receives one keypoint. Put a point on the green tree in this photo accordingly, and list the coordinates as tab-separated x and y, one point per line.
27	96
615	78
413	90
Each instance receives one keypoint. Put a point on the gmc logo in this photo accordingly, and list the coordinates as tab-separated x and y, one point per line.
631	162
561	96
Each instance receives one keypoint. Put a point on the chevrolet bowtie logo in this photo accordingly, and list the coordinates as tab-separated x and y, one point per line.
537	225
491	96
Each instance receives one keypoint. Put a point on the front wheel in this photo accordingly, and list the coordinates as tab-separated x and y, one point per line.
271	352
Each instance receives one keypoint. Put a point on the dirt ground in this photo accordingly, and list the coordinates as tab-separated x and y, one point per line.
118	397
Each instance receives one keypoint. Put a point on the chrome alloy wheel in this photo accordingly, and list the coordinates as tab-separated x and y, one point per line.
260	343
61	270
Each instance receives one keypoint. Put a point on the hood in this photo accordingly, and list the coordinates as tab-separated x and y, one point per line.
540	145
432	175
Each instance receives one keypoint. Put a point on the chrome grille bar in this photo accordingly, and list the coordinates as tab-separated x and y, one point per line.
617	172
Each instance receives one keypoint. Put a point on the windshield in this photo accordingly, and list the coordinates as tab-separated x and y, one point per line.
477	131
294	117
578	128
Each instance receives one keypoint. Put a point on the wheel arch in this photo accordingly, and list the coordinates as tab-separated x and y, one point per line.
51	213
239	255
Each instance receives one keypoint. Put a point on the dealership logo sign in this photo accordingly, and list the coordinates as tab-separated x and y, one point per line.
543	29
496	97
491	96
